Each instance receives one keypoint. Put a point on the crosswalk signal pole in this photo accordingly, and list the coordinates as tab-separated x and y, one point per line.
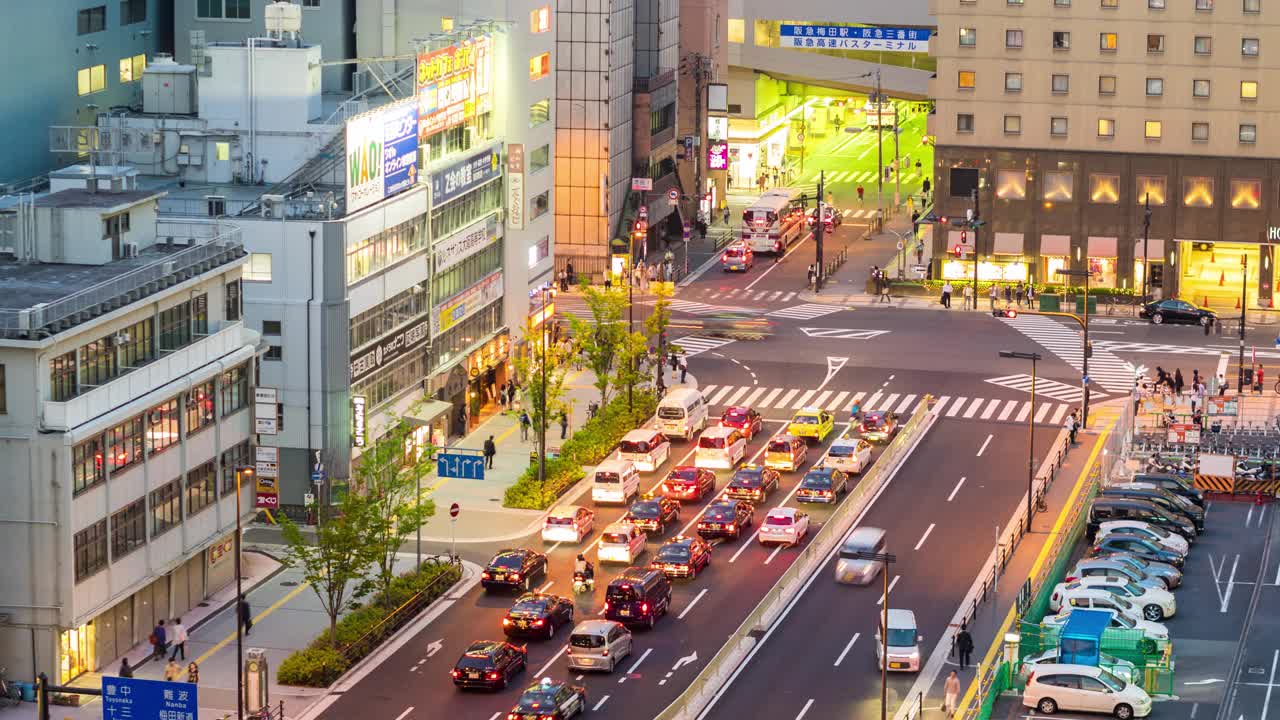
818	226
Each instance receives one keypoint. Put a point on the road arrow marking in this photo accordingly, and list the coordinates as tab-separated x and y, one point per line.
691	658
435	647
834	365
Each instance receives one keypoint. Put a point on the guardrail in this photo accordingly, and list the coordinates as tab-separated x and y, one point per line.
398	618
700	693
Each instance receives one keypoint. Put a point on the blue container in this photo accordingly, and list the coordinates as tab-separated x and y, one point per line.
28	691
1080	642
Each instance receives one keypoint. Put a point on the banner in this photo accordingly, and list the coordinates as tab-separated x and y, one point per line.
467	303
462	177
465	243
266	477
404	340
840	37
454	85
382	154
515	186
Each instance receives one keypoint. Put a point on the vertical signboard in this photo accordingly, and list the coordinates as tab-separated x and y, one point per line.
265	406
358	420
515	186
266	475
454	85
718	155
382	154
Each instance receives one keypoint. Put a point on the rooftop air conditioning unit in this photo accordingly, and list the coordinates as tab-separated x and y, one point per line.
129	250
121	338
272	206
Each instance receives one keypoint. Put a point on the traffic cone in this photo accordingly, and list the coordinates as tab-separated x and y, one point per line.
1213	256
1206	301
1237	303
1222	278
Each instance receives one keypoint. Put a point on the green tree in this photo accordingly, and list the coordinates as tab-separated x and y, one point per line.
602	336
528	367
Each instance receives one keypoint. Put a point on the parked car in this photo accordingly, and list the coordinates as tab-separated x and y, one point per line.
1152	631
1174	484
1097	567
1177	311
1119	667
1085	688
1151	568
1147	531
1154	603
1144	549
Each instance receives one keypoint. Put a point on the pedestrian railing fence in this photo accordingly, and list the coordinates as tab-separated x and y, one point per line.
398	618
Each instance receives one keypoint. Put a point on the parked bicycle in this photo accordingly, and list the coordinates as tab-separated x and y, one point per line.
9	692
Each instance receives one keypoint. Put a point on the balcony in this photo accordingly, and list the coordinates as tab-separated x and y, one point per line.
229	337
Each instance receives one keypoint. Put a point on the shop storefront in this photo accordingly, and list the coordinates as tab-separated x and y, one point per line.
1055	253
1215	274
757	147
1006	264
1103	262
1149	253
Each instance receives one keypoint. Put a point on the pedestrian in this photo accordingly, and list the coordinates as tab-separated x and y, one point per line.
193	673
1072	426
946	294
968	297
1195	378
964	645
726	214
993	294
608	281
125	671
643	272
951	693
159	640
246	615
179	639
862	191
1206	325
172	671
490	449
1177	382
1222	385
1197	395
1008	295
924	187
812	274
918	166
525	423
1031	295
919	251
1018	293
1257	380
568	271
684	370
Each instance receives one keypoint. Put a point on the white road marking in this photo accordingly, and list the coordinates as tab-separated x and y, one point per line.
495	716
991	408
598	705
891	584
1008	408
848	647
804	400
777	549
635	665
1231	584
805	709
548	584
925	536
835	404
776	264
957	406
692	602
906	404
1058	414
955	490
402	715
1042	411
1266	701
985	443
547	667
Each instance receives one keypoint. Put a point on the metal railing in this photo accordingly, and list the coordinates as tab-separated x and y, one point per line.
360	647
701	692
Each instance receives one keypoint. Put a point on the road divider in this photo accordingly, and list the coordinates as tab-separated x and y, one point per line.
719	671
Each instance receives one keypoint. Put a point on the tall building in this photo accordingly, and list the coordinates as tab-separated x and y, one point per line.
78	58
126	386
1070	117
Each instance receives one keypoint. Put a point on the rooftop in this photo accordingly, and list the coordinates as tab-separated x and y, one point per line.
83	198
24	285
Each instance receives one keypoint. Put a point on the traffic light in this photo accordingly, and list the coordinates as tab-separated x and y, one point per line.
1004	313
944	220
959	251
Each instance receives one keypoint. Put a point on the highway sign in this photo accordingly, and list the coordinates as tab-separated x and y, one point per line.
460	463
137	699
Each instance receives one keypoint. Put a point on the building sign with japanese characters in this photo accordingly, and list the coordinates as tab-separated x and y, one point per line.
454	85
462	177
718	155
854	38
408	338
465	243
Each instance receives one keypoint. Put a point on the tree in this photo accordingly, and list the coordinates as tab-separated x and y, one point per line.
601	338
528	366
334	564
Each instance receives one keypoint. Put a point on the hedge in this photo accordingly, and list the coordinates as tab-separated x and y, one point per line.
984	287
320	665
592	443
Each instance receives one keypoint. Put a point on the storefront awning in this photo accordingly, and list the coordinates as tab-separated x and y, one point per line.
1102	247
427	412
1151	249
1008	244
1055	244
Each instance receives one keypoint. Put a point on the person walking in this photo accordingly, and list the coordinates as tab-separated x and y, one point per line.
964	646
172	671
1177	382
1197	394
861	193
246	615
924	187
992	294
1008	295
1195	378
684	370
1222	385
1072	426
159	640
946	294
1031	295
525	424
490	449
126	670
951	693
564	424
726	213
968	297
812	274
1257	380
1018	292
179	639
193	673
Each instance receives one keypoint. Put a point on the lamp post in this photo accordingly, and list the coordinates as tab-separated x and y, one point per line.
241	472
1084	369
1031	425
542	424
887	559
879	143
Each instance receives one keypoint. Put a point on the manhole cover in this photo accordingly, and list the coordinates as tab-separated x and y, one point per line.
289	583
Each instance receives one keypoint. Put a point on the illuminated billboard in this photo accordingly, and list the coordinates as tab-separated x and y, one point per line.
382	154
455	84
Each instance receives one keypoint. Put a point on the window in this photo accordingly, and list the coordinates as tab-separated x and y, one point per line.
1062	3
1197	192
1104	189
964	122
274	352
1011	184
270	327
222	9
1013	82
1248	89
232	458
259	268
91	80
128	529
176	325
1155	4
737	30
1248	133
1058	186
1204	5
1253	6
966	79
1013	2
539	159
87	467
91	550
1203	45
202	487
1106	127
91	20
1106	42
1200	132
1200	88
539	205
540	66
1151	188
1110	4
310	3
133	11
539	112
1106	84
1013	39
98	362
162	426
540	19
1249	47
1155	43
540	250
1012	124
1152	129
1058	126
1246	194
235	389
63	383
1060	83
968	37
166	507
1062	40
131	68
124	444
199	408
232	308
1155	87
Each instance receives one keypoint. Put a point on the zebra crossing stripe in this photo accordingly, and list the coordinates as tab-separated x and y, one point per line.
818	401
835	404
751	399
804	400
787	398
941	403
890	402
1057	416
1008	408
973	408
991	407
719	395
1024	412
768	399
956	407
855	400
736	396
1042	411
906	404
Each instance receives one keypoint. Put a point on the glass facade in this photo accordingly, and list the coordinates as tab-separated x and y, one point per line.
466	273
396	311
458	213
368	256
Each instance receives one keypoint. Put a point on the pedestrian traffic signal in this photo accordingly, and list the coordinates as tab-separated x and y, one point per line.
1004	313
959	251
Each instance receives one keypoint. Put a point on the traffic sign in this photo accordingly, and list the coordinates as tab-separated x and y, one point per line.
460	463
454	509
308	499
1085	378
137	699
673	196
900	246
317	477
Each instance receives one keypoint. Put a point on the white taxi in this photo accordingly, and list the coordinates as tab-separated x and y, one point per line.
646	449
720	447
568	523
849	453
622	542
784	526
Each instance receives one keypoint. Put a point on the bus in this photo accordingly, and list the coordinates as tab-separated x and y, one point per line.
774	221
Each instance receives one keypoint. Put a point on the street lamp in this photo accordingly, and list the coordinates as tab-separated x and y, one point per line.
1031	425
241	472
1084	369
542	424
887	559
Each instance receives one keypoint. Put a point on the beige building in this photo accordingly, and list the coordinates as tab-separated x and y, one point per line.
1069	115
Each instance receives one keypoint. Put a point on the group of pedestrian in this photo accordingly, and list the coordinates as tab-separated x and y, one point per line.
1072	425
566	276
881	282
963	649
510	391
1013	294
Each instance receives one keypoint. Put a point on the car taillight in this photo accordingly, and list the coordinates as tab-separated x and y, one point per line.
1070	578
724	258
506	622
539	622
515	576
512	716
605	653
644	607
731	527
863	427
485	575
492	676
777	246
455	673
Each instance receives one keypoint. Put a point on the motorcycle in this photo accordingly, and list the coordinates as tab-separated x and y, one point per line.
583	583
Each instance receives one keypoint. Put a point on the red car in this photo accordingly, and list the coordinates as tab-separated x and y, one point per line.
687	482
743	418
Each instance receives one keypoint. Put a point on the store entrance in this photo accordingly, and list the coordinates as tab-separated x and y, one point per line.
1212	274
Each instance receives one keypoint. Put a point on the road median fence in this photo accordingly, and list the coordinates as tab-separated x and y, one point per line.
702	691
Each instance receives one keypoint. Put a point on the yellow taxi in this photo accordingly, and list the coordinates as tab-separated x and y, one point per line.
811	422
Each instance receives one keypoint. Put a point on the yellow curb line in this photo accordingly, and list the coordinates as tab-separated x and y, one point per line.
257	618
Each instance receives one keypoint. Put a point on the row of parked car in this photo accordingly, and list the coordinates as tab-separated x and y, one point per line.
1140	534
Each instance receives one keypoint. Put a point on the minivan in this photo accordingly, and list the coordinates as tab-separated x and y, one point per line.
598	645
615	481
682	412
639	596
647	449
902	641
850	568
720	447
1107	507
1160	497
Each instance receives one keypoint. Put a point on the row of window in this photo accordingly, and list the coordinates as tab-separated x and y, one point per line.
131	526
93	79
466	273
387	316
159	428
94	19
1014	38
1246	133
1060	84
1104	189
460	212
383	249
1247	6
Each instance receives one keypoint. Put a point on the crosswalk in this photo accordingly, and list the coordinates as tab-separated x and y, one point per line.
1105	368
844	177
786	400
698	344
690	307
806	311
1047	388
746	295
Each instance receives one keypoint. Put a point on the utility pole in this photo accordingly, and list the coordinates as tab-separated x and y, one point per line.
818	227
897	161
699	66
975	222
879	153
1146	247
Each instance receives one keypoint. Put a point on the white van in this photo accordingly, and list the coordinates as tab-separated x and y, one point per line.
682	412
720	447
647	449
615	481
903	641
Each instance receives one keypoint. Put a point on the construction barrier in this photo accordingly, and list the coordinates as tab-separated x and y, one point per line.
1215	483
1269	488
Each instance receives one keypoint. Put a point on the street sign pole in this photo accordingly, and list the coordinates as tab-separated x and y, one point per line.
454	509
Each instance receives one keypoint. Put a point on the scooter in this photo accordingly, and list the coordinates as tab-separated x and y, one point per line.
582	583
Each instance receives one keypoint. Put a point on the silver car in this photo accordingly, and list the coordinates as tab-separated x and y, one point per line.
598	645
851	567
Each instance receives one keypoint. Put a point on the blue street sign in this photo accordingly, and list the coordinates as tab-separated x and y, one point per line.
1086	379
460	463
317	477
137	699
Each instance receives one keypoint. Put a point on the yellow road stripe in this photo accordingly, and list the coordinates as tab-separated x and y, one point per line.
257	618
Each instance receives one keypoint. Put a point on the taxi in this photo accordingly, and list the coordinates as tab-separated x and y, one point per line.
744	418
824	485
646	449
550	700
726	519
720	447
879	426
651	513
784	526
682	557
568	523
737	257
622	542
753	483
849	453
785	452
812	422
690	483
